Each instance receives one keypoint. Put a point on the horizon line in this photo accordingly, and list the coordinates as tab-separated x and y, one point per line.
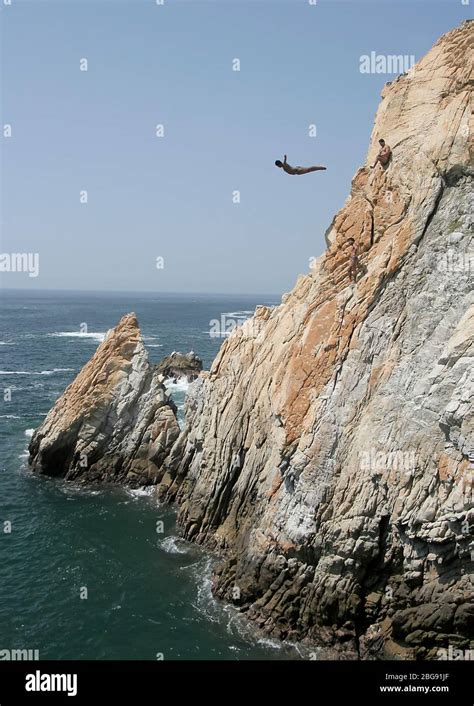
137	291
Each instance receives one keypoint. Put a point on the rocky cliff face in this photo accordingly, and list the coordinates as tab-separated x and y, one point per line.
114	422
328	454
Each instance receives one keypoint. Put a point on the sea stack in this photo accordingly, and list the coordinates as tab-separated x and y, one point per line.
180	365
327	456
114	423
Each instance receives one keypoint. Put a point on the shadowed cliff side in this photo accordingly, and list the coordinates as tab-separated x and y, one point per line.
326	454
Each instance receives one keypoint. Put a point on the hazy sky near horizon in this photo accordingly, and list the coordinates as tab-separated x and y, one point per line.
172	197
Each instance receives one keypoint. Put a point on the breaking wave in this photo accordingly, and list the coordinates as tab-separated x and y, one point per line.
93	335
174	545
33	372
181	385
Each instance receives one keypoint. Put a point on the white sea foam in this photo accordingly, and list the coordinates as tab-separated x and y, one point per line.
7	343
181	385
238	314
33	372
71	491
154	345
94	335
29	433
205	601
145	491
269	642
9	416
57	370
236	624
174	545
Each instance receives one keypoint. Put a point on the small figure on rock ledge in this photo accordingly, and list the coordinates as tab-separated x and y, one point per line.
383	156
354	264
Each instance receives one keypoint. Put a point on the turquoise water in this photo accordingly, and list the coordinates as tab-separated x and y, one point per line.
148	594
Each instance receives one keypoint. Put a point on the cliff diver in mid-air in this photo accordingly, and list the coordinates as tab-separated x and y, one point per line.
297	170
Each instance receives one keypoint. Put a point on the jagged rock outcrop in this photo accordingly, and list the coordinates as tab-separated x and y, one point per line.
180	365
114	422
328	453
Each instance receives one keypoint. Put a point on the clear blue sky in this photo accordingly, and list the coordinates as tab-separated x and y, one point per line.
171	197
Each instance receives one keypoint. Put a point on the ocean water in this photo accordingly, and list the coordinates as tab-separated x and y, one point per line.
148	594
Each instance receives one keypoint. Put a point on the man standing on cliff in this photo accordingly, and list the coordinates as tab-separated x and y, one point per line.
384	154
296	170
354	264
